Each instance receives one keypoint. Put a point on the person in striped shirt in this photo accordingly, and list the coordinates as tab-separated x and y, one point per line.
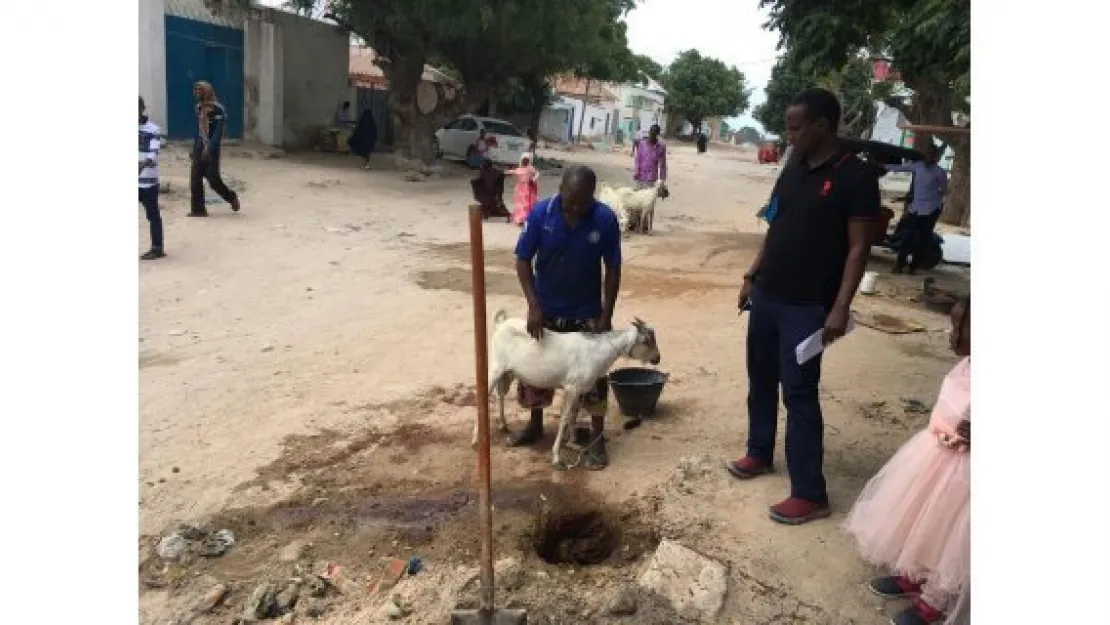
149	142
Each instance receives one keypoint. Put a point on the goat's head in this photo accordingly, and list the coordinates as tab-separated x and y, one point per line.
645	349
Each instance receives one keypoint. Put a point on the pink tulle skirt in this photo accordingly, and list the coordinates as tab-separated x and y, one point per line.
914	516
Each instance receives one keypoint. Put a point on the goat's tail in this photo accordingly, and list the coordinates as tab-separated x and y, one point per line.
499	317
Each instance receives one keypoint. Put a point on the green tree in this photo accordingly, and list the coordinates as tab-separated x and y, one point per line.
699	87
787	79
484	42
851	83
526	94
647	68
929	42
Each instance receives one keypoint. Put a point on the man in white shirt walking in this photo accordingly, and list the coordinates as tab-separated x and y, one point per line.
149	142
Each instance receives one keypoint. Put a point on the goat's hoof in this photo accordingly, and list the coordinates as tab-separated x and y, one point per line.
559	465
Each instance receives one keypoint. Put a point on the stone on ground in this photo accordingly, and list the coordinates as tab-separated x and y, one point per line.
693	584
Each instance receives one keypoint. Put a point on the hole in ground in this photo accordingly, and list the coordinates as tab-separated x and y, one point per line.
575	537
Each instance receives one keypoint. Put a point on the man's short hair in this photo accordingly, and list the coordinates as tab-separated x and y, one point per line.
819	104
582	175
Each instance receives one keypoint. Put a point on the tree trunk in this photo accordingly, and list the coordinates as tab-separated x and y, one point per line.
415	130
414	133
582	117
674	124
534	119
537	94
932	104
957	202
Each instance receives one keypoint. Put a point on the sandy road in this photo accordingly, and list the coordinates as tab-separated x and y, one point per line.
320	342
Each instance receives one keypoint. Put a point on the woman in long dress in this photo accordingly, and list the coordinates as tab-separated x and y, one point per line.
526	192
914	516
364	137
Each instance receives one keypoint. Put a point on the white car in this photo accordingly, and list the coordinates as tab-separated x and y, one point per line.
457	139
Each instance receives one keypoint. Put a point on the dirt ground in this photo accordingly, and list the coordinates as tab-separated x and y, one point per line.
306	376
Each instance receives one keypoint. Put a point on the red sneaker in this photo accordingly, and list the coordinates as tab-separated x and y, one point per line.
920	613
794	511
894	587
747	468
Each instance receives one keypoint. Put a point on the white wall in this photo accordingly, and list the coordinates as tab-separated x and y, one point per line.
152	58
316	61
264	97
595	113
296	73
887	122
554	123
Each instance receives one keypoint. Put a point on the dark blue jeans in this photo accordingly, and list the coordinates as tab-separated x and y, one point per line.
774	330
148	197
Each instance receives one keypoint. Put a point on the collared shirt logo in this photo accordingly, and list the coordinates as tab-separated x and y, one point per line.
594	236
826	188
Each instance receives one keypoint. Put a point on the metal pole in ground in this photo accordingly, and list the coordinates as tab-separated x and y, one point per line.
485	614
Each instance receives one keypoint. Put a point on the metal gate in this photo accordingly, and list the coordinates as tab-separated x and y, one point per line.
377	102
195	51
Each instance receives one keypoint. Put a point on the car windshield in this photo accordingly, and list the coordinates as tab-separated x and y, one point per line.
501	128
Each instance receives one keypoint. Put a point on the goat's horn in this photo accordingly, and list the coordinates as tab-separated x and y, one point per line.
638	321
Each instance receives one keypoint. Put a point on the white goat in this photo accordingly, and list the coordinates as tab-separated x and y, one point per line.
614	200
640	206
571	361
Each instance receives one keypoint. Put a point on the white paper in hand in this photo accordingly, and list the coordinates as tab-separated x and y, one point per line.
812	345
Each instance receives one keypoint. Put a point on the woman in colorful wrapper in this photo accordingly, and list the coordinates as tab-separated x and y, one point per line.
914	516
527	191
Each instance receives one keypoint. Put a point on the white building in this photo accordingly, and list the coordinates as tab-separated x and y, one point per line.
595	109
641	106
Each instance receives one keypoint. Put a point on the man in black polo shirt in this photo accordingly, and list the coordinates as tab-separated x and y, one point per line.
801	281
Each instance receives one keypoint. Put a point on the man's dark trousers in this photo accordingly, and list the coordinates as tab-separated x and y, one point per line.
774	330
148	197
919	228
207	169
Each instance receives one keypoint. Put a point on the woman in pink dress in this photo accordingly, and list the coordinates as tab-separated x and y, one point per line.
527	191
914	516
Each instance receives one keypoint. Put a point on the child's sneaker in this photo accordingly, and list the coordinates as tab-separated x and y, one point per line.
894	587
920	613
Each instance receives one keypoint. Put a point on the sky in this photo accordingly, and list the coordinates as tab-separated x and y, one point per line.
729	30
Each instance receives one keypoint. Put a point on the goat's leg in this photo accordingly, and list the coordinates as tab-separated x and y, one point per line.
570	408
497	388
502	390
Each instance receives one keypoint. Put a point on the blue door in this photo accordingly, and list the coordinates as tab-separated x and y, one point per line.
201	51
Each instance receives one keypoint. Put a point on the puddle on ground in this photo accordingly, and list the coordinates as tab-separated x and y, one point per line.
635	280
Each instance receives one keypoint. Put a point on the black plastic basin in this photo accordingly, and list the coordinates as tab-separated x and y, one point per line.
637	390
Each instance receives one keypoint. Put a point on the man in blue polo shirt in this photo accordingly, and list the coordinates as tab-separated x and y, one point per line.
566	240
